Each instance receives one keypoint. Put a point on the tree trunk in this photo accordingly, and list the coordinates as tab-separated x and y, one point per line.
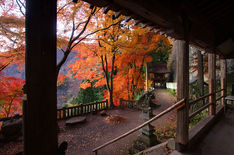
107	78
111	81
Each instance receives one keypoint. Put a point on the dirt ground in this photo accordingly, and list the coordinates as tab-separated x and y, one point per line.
83	138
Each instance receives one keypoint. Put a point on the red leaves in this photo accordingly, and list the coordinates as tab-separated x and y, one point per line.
10	95
61	78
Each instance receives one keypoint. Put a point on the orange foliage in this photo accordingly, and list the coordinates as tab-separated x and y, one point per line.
129	46
61	79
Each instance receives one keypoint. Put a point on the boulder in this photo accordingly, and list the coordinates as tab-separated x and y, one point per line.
11	129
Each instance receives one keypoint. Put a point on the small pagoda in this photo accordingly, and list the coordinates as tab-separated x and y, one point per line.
159	72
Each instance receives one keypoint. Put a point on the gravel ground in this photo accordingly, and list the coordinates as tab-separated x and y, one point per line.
83	138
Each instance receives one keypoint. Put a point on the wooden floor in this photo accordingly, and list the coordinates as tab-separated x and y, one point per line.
219	141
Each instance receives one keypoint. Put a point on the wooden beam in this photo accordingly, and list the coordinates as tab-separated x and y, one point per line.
182	129
40	110
223	69
212	82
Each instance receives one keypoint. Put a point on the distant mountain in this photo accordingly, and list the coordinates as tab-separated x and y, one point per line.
72	85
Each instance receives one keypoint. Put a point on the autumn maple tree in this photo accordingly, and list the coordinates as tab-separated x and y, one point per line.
12	34
111	52
116	58
10	96
77	23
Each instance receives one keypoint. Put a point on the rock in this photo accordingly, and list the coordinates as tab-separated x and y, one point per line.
76	120
103	113
12	129
171	144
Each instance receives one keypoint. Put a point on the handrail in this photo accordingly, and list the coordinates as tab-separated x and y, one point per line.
219	90
200	98
199	110
205	106
219	98
142	125
205	96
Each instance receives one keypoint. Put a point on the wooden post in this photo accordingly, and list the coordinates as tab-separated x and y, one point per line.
212	82
121	102
146	77
200	75
223	69
182	129
64	112
81	106
40	113
106	103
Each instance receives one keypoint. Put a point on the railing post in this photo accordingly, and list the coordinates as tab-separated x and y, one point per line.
120	102
106	103
182	129
64	112
81	106
223	69
212	82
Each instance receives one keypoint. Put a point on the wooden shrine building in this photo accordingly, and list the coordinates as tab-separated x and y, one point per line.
159	72
205	24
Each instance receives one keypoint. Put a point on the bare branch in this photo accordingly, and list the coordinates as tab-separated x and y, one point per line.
85	26
20	5
73	30
95	32
62	50
63	7
78	25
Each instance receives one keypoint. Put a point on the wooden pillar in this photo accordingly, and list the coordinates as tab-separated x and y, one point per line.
40	129
200	73
223	69
182	92
212	82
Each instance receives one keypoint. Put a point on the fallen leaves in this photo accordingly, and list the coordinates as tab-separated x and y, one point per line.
115	119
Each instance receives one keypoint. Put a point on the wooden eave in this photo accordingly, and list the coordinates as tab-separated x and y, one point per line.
211	21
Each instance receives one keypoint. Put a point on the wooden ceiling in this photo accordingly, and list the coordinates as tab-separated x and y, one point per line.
210	22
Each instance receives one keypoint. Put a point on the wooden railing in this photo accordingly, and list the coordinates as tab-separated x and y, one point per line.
177	105
68	112
128	103
8	118
82	109
204	106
